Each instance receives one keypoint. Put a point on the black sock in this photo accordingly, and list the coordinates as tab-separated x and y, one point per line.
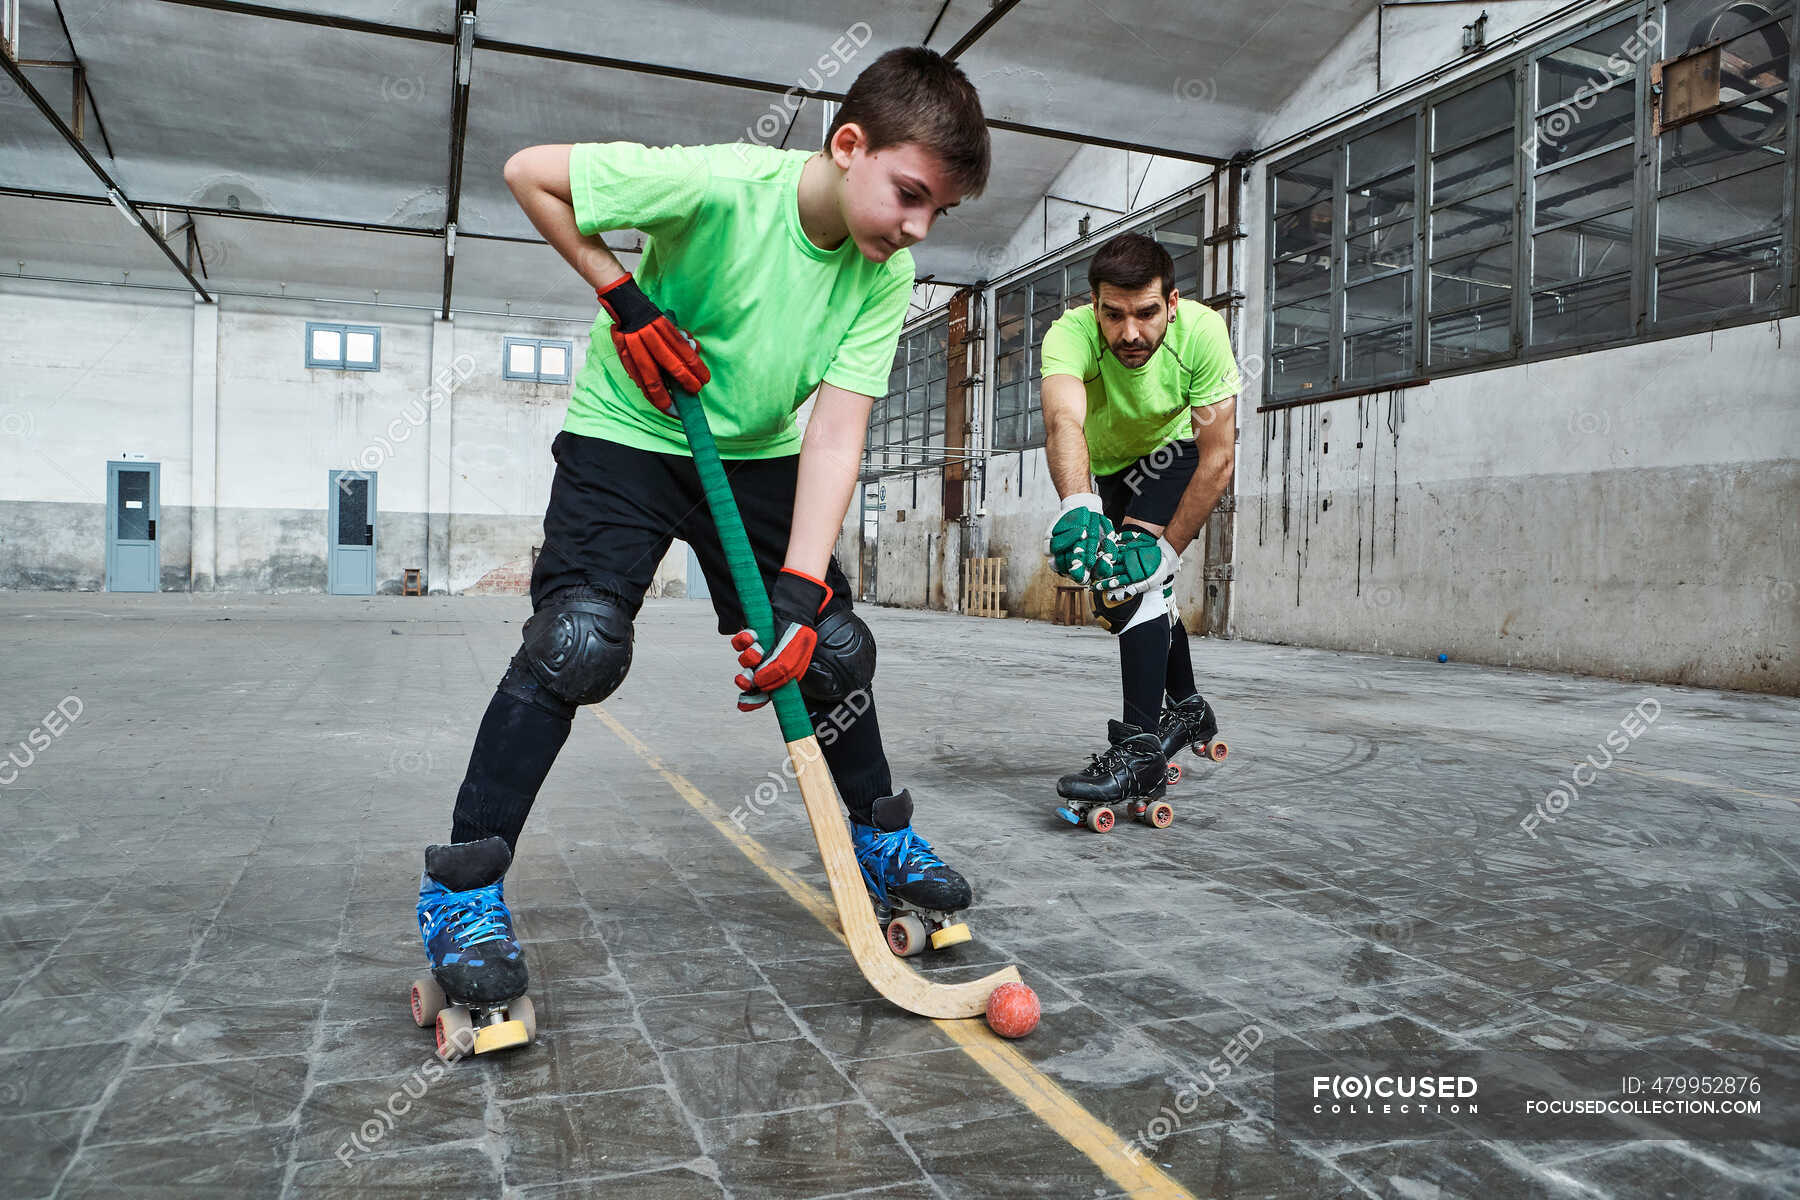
1181	664
850	737
514	750
1143	665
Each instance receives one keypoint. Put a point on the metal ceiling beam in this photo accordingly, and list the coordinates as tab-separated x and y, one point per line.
287	219
81	80
462	74
685	74
115	194
981	27
353	24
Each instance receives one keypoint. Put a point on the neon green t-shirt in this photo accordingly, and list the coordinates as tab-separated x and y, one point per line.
725	253
1131	413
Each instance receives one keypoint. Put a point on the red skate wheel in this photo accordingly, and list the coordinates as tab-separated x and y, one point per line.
1161	814
906	936
1100	820
1213	750
1173	773
428	1000
455	1033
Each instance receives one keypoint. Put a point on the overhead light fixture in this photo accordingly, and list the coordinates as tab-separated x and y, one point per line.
465	47
118	199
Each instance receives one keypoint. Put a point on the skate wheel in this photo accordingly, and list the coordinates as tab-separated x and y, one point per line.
1213	750
455	1033
906	936
1100	820
503	1036
1173	774
949	935
1161	815
428	1000
524	1011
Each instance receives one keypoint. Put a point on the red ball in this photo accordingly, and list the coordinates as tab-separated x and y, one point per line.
1012	1010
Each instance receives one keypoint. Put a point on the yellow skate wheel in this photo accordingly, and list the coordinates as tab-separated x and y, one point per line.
949	935
1100	819
1161	814
503	1036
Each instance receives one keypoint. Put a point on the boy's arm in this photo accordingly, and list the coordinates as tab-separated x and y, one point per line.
830	461
539	179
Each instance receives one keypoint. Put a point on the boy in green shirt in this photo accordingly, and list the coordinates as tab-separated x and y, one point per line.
1141	390
767	274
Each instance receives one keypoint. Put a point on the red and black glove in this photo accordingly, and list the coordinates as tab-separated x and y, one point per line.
649	344
797	600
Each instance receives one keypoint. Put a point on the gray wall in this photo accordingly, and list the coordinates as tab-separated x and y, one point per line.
246	435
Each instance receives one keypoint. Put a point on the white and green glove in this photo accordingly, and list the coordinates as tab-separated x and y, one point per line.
1077	538
1141	560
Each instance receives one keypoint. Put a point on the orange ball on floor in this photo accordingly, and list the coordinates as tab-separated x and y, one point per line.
1012	1010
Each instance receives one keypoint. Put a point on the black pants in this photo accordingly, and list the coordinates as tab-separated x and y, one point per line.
614	512
1154	659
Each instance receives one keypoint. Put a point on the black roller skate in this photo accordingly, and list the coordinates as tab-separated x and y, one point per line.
1190	723
916	894
1129	773
474	997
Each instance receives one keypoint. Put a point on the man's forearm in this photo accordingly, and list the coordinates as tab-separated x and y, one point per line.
1198	500
1066	450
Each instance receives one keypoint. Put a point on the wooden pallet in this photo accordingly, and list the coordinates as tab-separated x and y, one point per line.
984	586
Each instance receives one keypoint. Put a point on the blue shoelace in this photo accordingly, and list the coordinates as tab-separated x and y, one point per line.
475	917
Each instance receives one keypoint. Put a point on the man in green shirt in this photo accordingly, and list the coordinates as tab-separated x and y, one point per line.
1140	390
767	275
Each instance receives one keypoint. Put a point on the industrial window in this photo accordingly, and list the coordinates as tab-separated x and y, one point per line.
343	347
906	426
1627	179
536	360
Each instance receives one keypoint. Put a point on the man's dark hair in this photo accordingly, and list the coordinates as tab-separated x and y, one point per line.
917	95
1129	262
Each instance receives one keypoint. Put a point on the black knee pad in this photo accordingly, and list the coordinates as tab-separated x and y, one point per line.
844	660
1115	617
577	649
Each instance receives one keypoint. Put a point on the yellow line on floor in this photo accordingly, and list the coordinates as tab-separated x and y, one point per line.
1003	1061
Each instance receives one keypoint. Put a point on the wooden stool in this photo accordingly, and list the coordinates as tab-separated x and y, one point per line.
410	585
1071	601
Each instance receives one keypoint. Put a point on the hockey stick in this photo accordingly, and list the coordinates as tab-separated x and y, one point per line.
899	984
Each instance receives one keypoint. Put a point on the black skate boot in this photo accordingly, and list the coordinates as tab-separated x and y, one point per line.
474	996
1190	723
1129	772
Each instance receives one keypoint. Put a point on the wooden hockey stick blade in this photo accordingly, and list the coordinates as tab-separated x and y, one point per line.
900	984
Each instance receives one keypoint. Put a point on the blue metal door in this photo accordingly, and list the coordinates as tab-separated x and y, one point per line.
350	561
133	504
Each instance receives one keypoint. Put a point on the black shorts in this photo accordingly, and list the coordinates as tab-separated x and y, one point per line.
615	510
1150	488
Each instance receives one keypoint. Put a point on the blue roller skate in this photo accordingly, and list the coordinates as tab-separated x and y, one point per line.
474	997
916	895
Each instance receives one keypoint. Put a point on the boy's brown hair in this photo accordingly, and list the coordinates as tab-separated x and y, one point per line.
1129	262
917	95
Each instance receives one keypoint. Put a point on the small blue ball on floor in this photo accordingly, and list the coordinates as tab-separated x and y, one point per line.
1443	658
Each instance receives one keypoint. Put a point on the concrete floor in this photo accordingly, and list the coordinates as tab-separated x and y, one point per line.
208	881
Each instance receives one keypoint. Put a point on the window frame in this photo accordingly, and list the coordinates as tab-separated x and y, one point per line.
922	363
342	362
537	344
